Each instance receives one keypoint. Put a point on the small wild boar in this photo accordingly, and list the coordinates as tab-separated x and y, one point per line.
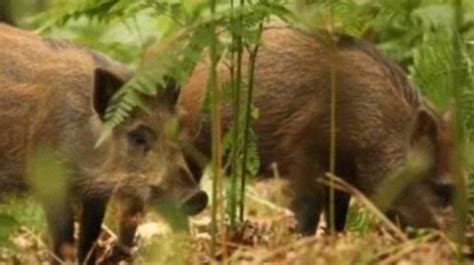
53	96
381	118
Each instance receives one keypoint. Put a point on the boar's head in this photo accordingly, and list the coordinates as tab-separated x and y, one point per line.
143	155
429	202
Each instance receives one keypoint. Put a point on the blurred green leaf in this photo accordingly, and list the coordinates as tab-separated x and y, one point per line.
7	224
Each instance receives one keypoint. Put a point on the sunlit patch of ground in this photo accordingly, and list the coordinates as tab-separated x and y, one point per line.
266	238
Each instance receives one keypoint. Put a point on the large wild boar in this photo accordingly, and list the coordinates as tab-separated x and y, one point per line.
53	96
381	118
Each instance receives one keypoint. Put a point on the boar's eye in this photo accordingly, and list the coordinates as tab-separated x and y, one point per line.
141	139
445	193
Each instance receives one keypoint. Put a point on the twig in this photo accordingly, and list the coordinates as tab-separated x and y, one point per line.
113	236
267	203
38	239
109	231
90	252
451	244
343	185
230	244
405	248
295	245
236	256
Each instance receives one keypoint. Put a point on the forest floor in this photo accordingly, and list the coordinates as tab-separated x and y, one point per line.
267	237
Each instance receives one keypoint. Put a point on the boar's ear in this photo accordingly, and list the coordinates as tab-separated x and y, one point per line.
425	125
106	84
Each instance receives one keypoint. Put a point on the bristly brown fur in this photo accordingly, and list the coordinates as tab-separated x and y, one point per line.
380	120
43	75
101	60
394	72
53	100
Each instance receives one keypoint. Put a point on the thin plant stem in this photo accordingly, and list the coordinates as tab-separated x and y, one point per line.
333	125
458	82
216	132
236	107
248	106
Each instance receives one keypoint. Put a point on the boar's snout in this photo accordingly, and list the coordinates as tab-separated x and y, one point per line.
180	193
194	203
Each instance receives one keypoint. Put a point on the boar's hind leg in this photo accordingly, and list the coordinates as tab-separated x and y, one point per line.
308	197
341	207
59	215
93	211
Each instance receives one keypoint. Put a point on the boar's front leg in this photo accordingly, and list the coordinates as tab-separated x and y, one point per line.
341	207
131	212
93	211
60	219
308	195
130	217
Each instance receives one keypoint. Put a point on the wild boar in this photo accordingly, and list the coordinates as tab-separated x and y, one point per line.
53	96
380	119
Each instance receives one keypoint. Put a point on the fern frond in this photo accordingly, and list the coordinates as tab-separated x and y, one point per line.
177	56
